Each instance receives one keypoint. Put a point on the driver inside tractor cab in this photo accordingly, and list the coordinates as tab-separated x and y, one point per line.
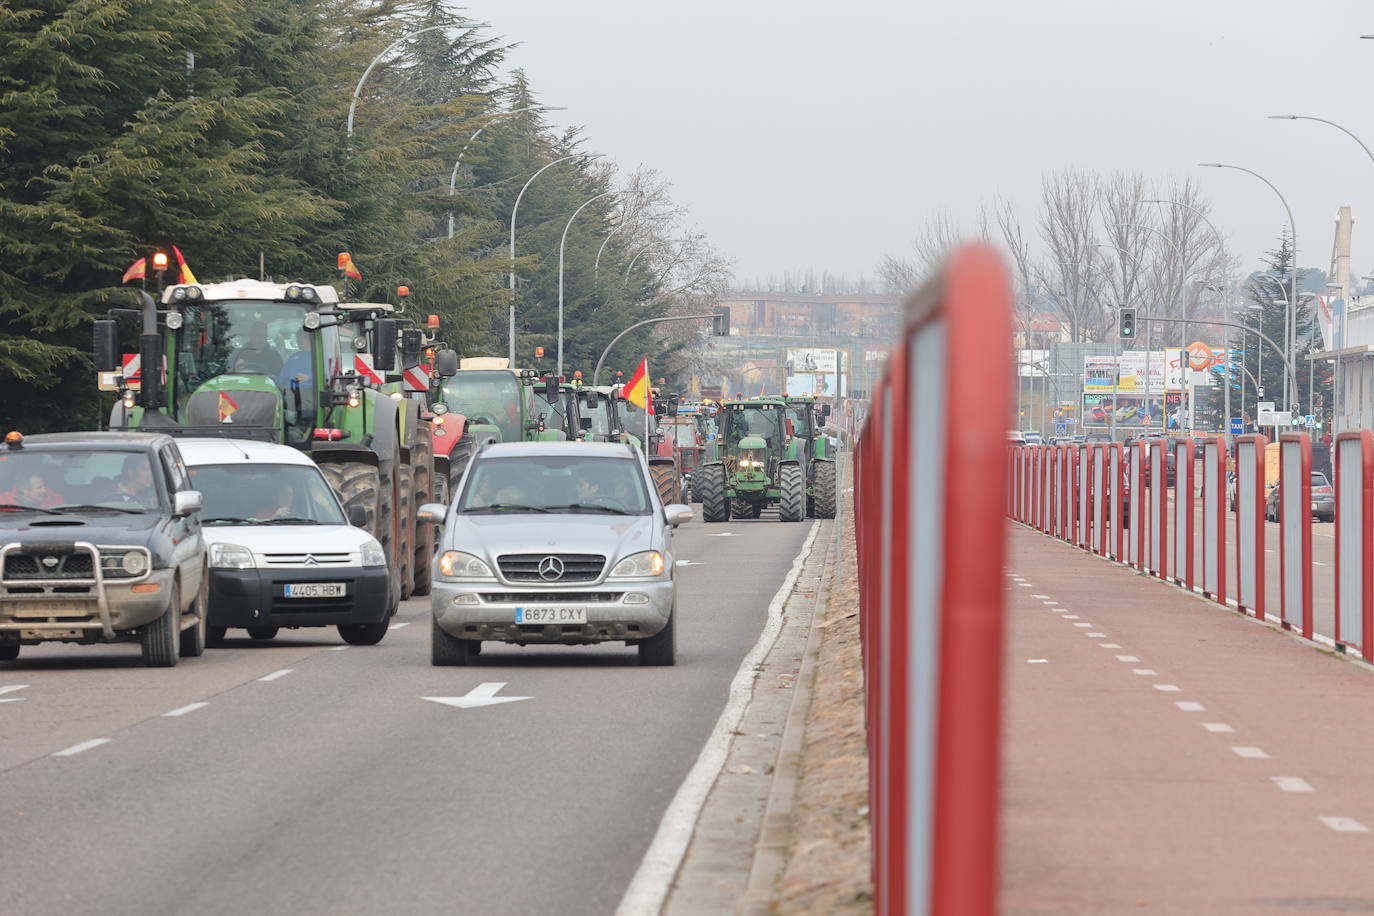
297	367
487	397
754	421
258	354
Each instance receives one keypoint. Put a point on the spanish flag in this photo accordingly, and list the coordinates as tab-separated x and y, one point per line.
137	270
186	275
227	408
637	391
348	267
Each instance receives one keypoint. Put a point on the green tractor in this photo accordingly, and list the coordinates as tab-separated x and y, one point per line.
285	363
812	450
750	465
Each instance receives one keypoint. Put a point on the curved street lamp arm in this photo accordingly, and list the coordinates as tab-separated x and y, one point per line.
596	373
562	246
357	91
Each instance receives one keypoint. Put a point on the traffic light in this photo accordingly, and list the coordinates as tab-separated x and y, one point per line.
720	322
1125	322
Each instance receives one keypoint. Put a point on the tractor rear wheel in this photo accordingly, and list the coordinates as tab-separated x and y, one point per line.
709	483
666	481
405	528
357	484
792	502
823	486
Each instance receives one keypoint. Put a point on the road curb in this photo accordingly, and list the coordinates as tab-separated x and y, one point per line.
775	836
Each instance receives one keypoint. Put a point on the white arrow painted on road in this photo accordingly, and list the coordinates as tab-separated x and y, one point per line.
11	688
481	695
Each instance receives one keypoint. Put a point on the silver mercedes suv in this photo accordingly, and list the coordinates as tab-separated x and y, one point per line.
555	542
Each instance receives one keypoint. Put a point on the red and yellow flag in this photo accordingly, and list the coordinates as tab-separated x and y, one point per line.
186	275
348	267
637	391
137	270
227	408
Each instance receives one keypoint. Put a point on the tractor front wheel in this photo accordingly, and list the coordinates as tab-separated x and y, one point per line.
666	481
792	502
709	483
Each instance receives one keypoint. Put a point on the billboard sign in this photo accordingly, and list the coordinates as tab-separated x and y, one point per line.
807	361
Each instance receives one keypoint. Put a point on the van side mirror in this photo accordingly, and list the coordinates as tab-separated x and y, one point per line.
357	516
105	344
187	502
384	331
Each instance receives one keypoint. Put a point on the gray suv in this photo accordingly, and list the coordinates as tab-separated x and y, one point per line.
100	542
555	542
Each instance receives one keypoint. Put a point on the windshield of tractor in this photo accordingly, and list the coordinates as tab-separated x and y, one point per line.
250	337
801	420
490	397
683	432
763	420
600	412
633	418
265	494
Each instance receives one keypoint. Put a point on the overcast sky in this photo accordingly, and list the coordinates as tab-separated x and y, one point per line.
822	135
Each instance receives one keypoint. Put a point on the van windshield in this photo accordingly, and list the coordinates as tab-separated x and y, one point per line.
265	494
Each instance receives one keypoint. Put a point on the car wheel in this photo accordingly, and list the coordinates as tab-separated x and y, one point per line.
660	649
446	650
161	639
362	634
193	638
214	636
9	653
263	632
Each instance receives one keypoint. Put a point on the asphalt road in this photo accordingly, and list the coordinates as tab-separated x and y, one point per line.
334	787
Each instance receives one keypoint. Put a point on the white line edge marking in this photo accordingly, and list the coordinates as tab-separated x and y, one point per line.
649	887
1220	728
1250	753
1344	824
183	710
83	746
338	648
397	626
1292	784
276	674
11	688
1189	706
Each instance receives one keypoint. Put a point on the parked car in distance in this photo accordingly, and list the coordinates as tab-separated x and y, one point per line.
282	551
100	541
555	542
1323	503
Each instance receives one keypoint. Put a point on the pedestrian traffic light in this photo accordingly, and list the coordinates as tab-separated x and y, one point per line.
1125	322
720	322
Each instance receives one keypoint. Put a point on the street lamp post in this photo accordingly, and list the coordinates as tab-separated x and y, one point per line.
1289	382
453	178
357	90
513	212
562	245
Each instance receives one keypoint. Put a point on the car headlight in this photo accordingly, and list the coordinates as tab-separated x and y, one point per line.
372	554
123	564
639	565
231	556
455	564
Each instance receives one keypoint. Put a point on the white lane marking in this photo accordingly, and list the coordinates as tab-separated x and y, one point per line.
83	746
1344	824
397	626
690	563
1022	584
1050	603
1292	784
1167	688
1039	596
12	699
1127	658
11	688
1318	563
1250	753
1037	661
1060	610
183	710
1096	635
722	534
1082	623
1220	728
276	674
1189	706
482	695
649	887
338	648
1070	616
1109	645
1148	672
